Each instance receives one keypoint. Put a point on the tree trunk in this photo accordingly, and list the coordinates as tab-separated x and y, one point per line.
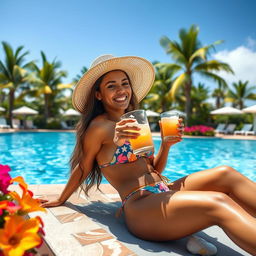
241	105
46	108
188	86
217	102
11	104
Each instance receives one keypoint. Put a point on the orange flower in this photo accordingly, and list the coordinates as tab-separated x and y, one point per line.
27	202
21	182
19	235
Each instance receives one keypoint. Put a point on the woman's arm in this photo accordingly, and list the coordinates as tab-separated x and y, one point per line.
160	160
92	144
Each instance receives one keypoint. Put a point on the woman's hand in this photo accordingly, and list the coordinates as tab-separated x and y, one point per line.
47	203
169	141
125	129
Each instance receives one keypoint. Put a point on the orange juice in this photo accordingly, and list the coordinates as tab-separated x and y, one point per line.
144	141
170	126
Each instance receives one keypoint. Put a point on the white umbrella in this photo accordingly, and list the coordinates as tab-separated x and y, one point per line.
226	111
152	113
61	111
24	111
71	112
252	109
2	109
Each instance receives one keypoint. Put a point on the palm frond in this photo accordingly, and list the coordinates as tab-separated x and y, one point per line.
214	65
179	81
65	86
44	59
20	59
7	85
18	73
10	62
19	49
173	48
214	77
4	70
189	40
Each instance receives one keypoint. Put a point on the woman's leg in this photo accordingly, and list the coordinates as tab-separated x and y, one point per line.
169	216
222	179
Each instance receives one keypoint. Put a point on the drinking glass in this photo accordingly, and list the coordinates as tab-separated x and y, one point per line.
170	123
144	142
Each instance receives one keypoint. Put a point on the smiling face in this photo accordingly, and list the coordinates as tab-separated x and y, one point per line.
115	91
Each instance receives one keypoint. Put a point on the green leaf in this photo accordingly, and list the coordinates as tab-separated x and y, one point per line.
65	86
7	85
179	81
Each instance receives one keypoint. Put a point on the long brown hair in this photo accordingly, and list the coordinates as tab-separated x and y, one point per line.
94	108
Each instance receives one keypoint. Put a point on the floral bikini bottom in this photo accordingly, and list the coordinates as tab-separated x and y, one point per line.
156	188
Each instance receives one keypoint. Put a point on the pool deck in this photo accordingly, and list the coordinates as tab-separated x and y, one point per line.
88	226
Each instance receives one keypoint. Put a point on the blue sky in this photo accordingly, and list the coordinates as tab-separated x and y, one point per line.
78	31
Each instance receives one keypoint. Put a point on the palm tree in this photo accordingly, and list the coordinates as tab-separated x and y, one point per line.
192	58
219	93
13	73
78	76
200	108
158	97
241	92
47	82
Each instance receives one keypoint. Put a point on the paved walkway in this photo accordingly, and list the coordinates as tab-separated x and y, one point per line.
87	226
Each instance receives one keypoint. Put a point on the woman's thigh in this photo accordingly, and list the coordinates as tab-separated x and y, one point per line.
172	215
215	179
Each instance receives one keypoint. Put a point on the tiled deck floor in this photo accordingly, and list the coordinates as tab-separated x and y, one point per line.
89	227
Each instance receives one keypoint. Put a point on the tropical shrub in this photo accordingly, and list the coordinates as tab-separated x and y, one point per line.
19	235
199	130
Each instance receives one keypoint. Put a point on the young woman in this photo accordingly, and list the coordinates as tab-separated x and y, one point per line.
219	196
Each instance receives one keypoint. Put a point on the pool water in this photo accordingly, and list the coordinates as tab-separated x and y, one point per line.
43	158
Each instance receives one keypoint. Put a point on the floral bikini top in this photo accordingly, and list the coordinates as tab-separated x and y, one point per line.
124	154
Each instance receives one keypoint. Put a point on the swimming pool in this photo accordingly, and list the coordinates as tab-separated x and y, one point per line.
43	157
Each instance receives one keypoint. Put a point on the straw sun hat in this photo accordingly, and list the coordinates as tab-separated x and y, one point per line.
140	71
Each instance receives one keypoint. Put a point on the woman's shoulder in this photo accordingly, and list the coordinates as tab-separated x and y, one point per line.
101	122
100	126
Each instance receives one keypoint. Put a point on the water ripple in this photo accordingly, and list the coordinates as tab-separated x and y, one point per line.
43	158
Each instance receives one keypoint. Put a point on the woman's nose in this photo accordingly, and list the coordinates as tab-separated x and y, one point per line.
120	89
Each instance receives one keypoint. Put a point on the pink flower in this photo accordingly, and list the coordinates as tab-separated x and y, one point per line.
11	207
5	178
122	158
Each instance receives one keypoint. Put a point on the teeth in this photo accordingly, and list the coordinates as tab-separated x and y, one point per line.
120	99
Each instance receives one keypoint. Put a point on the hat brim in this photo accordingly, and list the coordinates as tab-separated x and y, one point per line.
140	71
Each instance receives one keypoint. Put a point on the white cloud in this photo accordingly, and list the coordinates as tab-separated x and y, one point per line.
251	43
243	62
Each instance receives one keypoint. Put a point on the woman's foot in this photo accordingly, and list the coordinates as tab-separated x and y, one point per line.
197	245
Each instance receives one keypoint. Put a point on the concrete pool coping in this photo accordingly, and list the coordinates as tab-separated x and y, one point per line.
87	226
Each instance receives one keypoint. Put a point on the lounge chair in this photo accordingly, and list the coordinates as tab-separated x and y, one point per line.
153	127
245	128
64	125
3	124
30	124
16	124
250	133
220	128
230	129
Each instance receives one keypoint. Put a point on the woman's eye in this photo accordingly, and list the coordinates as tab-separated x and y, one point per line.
111	86
125	84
